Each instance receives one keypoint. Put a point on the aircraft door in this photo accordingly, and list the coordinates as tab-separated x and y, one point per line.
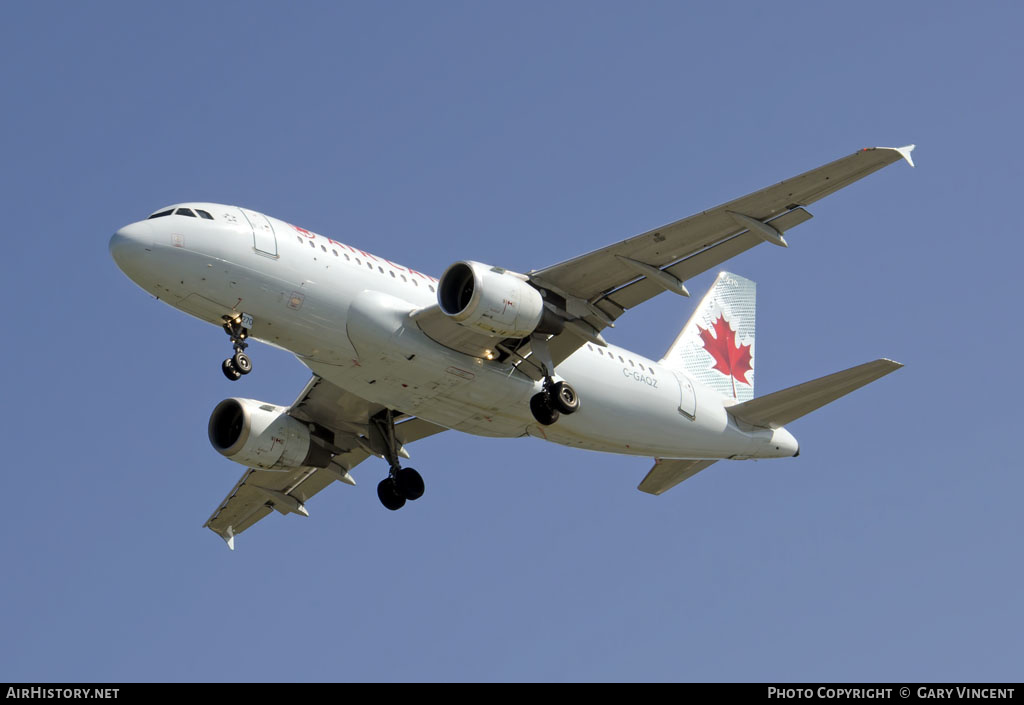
687	397
263	237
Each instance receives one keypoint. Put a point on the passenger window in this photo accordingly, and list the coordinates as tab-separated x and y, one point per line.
299	237
380	269
312	245
392	275
369	265
631	364
404	279
431	287
621	360
161	214
323	248
335	252
204	214
185	211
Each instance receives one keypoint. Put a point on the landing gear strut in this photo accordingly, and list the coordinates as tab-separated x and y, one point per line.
401	484
238	364
555	399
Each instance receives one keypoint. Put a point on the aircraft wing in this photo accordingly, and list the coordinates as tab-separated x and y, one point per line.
259	492
600	286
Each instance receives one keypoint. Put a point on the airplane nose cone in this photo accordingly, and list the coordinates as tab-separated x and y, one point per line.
128	246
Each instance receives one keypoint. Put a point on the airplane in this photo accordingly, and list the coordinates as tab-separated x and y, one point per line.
398	355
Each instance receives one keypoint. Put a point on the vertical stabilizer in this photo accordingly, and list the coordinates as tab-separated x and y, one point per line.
716	346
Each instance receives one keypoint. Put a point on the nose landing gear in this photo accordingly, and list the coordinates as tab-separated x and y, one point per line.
238	364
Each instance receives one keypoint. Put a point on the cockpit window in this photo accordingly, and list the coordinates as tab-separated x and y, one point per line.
204	214
185	211
161	214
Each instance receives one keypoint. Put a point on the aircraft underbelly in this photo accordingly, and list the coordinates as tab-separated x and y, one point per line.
396	365
438	398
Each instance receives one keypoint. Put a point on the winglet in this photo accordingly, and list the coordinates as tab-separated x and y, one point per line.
229	538
905	153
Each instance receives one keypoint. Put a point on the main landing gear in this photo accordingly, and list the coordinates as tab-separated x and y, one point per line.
555	399
401	484
238	364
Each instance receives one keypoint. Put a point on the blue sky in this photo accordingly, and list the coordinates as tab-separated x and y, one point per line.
519	135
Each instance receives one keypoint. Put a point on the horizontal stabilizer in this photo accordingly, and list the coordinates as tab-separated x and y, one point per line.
666	474
779	408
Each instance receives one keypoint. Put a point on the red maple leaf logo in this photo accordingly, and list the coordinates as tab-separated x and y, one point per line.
731	358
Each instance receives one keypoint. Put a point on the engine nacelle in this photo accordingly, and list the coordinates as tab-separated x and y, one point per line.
493	301
264	436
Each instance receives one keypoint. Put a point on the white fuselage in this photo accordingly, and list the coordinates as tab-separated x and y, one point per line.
345	314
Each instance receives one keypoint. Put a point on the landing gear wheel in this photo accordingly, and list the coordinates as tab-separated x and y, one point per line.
401	484
564	398
239	364
410	484
543	410
242	363
388	493
230	371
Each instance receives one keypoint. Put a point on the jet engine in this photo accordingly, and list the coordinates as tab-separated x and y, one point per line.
264	436
494	301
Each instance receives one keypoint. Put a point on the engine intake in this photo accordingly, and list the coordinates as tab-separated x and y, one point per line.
262	435
494	301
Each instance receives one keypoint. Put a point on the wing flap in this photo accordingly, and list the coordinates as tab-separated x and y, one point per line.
244	506
641	290
238	511
779	408
599	271
248	502
596	274
666	474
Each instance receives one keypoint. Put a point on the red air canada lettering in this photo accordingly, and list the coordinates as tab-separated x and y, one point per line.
356	251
